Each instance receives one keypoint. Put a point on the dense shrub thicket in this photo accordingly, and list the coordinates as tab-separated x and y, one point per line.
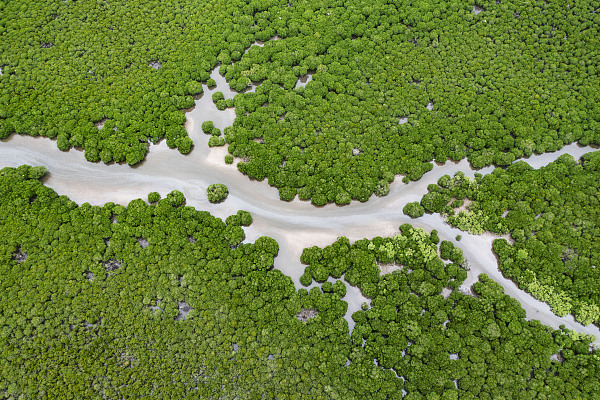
395	84
552	215
162	301
515	79
155	300
112	76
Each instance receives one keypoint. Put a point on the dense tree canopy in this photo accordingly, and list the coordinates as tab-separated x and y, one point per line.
162	301
156	299
397	84
444	344
552	215
112	76
394	84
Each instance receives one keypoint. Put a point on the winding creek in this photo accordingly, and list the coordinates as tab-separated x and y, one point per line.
295	225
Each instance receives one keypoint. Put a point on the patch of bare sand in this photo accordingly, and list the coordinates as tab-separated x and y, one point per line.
189	124
389	268
464	207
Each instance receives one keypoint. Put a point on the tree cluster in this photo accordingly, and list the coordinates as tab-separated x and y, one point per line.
112	77
449	346
154	300
552	216
162	301
394	85
217	192
413	209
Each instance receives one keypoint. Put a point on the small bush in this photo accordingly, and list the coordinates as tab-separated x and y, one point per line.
342	198
218	96
306	279
153	197
207	127
217	192
382	189
413	210
216	141
245	217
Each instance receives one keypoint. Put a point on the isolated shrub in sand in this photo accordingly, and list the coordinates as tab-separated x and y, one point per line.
217	192
413	210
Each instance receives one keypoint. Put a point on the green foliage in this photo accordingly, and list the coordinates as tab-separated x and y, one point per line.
153	197
62	68
287	193
184	144
215	141
207	127
114	296
449	252
64	336
434	342
434	201
25	172
175	198
413	209
382	188
435	239
306	279
342	198
319	199
217	96
339	288
194	88
470	221
343	125
245	218
37	172
211	83
228	159
552	216
217	192
560	302
369	112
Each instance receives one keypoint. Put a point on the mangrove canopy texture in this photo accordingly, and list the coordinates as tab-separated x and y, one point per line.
163	301
552	215
393	84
